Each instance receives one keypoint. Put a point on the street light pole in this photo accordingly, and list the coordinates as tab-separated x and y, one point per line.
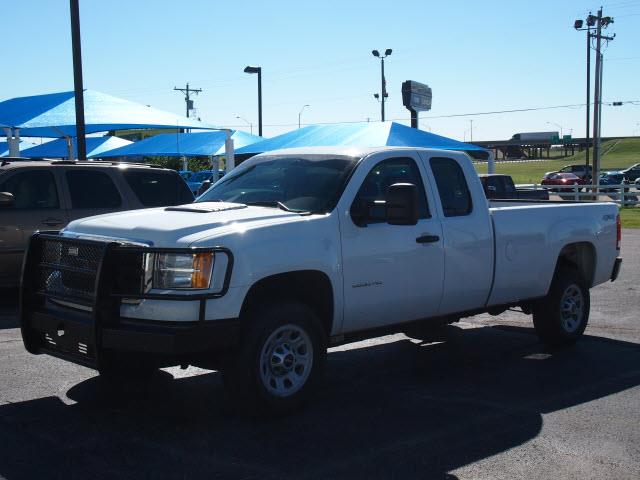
258	70
300	113
559	126
247	122
383	82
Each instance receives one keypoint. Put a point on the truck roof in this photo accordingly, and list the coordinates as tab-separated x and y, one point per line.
352	151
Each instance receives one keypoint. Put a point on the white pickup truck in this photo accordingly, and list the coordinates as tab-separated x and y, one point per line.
298	250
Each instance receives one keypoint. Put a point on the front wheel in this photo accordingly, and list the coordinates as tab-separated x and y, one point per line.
280	361
562	316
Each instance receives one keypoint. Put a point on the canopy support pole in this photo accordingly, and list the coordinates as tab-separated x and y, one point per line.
229	152
70	147
491	164
13	141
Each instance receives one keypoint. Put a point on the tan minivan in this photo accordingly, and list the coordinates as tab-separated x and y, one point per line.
48	194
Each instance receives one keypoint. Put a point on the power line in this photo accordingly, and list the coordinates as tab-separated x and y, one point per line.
453	115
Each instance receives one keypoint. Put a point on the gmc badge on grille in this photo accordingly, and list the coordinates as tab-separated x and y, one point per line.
73	251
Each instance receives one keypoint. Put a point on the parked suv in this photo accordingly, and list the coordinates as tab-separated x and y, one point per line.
48	194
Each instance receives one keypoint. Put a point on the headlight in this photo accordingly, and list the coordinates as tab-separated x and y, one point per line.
182	270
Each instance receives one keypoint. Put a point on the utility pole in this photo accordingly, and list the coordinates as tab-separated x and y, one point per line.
471	128
601	22
187	98
77	80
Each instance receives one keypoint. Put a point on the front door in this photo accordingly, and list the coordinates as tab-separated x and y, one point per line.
392	273
36	207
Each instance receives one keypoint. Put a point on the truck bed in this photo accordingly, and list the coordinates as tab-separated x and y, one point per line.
529	236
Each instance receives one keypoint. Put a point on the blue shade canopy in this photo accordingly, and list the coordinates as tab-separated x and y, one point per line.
358	135
182	145
59	149
4	147
54	115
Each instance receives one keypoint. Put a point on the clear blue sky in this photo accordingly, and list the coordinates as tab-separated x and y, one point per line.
476	55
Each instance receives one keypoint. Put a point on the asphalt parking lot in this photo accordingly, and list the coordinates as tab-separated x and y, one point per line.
483	400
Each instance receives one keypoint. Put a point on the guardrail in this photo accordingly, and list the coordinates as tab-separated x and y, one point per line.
621	194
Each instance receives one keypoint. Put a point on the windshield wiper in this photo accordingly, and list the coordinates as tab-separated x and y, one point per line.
277	204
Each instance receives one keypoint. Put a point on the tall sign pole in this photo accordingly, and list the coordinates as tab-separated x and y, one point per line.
77	79
416	97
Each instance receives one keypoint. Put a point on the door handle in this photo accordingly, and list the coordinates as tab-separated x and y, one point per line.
427	239
52	221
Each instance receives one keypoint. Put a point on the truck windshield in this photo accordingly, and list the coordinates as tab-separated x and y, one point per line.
301	183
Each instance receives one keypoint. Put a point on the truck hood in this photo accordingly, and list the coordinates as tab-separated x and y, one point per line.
181	225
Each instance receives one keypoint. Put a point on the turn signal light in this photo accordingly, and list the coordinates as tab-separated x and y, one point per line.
202	266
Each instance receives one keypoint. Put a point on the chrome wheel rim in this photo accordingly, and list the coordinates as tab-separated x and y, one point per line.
286	360
572	308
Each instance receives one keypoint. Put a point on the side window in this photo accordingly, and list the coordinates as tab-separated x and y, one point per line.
32	189
381	177
92	189
495	183
508	185
158	189
452	187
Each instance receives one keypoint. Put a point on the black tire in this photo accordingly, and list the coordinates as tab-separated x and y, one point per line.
554	324
250	374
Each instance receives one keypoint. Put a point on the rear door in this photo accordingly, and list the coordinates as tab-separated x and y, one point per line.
391	274
91	192
37	206
466	231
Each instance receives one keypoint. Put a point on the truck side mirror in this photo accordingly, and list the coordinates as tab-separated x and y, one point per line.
360	212
402	204
6	199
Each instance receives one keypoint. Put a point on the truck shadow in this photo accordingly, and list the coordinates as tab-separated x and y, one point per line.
8	308
401	409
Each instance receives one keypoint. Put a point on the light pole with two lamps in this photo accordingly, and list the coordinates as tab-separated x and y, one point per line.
383	88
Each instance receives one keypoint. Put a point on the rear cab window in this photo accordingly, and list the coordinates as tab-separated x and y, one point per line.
452	187
158	189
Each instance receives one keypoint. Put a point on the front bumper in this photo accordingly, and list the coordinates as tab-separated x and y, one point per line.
616	269
71	311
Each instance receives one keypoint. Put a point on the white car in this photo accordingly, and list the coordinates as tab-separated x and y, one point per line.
299	249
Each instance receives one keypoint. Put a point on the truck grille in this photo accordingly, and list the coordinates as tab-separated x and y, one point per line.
68	268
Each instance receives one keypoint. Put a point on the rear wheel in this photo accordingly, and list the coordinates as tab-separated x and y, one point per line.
280	361
562	316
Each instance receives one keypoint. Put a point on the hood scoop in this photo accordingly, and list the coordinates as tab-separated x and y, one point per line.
206	207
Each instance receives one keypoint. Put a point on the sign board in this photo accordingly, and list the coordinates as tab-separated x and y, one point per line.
416	96
567	139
